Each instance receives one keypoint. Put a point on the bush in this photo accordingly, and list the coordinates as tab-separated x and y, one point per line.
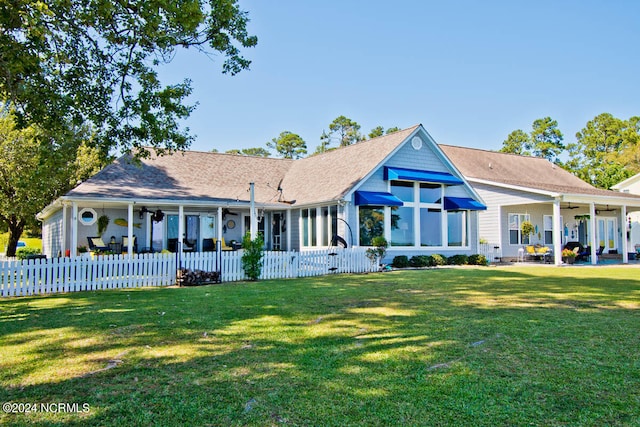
436	260
460	259
477	259
23	253
400	261
252	256
419	261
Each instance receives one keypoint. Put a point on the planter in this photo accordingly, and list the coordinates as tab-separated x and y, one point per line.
568	259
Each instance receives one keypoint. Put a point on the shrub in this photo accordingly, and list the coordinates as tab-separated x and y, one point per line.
419	261
400	261
459	259
252	256
477	259
379	249
23	253
436	260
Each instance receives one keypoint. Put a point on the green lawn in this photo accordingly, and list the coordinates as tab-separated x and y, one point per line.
453	346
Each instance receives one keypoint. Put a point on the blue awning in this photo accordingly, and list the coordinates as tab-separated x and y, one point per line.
420	175
462	203
377	198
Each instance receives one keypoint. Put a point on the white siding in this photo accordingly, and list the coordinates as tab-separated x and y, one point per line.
52	235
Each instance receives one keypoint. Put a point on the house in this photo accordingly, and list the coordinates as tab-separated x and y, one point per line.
562	207
631	186
400	186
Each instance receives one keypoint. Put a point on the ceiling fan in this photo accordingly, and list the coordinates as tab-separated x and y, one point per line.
226	212
570	207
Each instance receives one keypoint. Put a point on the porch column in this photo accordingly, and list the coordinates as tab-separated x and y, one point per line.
130	229
288	230
74	229
219	227
592	230
253	227
180	227
65	238
623	228
557	233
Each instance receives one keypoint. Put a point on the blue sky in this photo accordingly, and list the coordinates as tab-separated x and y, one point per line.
469	71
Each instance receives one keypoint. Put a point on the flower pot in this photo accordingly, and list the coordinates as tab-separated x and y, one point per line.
568	259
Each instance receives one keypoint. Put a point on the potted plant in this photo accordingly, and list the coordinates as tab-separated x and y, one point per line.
527	228
378	251
568	256
103	223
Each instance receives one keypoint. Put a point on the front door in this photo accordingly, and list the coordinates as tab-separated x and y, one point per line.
606	234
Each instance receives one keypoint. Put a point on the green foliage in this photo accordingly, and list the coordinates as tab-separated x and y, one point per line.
400	261
545	140
289	145
518	142
477	259
371	224
379	249
459	259
419	261
103	223
527	228
96	62
345	130
23	253
255	152
37	168
252	255
436	260
606	150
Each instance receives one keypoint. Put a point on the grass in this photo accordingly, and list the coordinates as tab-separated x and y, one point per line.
459	346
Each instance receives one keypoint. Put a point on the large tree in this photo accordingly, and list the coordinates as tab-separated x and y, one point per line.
36	168
342	129
379	131
544	140
517	142
289	145
606	150
96	61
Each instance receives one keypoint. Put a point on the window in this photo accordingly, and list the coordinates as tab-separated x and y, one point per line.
402	226
87	216
402	190
430	227
548	229
319	225
515	234
371	223
457	228
430	193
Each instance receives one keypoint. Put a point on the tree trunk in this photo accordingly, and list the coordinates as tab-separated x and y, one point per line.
16	227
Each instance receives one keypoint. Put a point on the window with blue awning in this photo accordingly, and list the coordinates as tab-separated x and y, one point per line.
376	198
391	173
462	203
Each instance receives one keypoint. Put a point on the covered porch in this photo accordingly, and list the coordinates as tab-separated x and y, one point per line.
150	226
599	227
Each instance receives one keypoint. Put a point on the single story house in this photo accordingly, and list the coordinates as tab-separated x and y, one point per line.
562	207
400	186
631	186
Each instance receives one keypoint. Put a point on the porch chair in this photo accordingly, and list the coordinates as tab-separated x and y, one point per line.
208	245
97	244
125	244
223	244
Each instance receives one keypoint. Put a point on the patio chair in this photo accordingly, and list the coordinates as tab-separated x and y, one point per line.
208	245
125	244
223	244
97	244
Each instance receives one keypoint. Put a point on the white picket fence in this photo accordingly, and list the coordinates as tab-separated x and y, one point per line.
55	275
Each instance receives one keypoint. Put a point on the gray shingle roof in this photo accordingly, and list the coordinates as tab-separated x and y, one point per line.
204	176
522	171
